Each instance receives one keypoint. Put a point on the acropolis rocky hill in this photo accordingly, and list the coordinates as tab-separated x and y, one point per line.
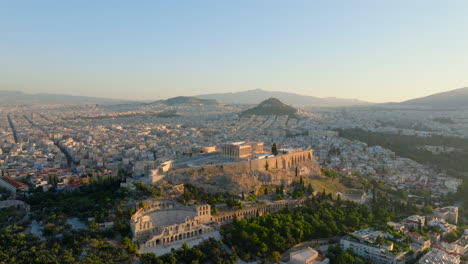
250	175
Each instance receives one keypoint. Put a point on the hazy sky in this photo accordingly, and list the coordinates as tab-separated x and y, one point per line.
373	50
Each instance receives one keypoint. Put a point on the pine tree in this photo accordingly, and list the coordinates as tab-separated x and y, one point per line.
310	189
274	149
373	196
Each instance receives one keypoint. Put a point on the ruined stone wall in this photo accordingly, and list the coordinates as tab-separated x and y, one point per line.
226	217
245	175
285	161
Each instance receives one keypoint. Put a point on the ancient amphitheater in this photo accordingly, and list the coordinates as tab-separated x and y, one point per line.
162	223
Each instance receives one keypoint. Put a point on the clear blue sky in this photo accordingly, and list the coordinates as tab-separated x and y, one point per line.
372	50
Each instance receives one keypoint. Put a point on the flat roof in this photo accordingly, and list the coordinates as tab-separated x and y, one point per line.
305	254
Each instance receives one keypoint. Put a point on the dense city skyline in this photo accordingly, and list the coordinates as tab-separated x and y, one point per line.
373	51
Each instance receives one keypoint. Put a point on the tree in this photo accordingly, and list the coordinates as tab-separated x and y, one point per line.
451	237
93	226
428	210
275	256
185	248
251	197
261	236
345	258
274	149
53	180
5	193
379	240
373	195
403	194
131	247
140	186
142	204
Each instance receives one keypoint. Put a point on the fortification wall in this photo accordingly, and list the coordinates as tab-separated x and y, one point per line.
248	174
284	161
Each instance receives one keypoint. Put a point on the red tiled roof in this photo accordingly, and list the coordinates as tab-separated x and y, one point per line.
14	182
74	183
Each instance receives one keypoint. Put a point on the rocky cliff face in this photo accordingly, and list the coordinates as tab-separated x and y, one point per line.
249	175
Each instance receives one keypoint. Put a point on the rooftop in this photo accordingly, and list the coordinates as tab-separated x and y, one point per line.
305	254
14	182
436	256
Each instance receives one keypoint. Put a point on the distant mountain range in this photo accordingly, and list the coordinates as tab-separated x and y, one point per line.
457	98
16	97
190	100
258	95
271	106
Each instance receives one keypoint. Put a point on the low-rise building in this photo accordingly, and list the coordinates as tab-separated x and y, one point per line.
362	243
307	256
444	227
436	256
414	221
13	185
419	239
449	213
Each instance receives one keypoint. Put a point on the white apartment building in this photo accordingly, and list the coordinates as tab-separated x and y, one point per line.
436	256
376	254
449	213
